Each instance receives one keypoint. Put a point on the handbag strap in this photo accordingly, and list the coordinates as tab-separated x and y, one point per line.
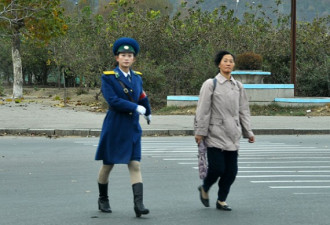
126	91
214	83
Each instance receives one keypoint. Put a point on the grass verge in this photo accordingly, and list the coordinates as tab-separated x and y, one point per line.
257	110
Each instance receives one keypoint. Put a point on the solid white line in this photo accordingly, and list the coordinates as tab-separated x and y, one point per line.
263	176
276	153
169	155
280	162
289	181
173	145
266	145
179	159
279	149
320	193
268	171
284	171
282	152
281	171
166	142
265	155
287	187
269	154
171	151
267	176
174	156
242	151
280	167
283	162
194	159
303	157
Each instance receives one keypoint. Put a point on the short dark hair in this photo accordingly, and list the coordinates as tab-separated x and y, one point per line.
220	55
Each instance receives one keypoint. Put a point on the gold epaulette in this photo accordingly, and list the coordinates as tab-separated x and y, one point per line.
137	72
109	72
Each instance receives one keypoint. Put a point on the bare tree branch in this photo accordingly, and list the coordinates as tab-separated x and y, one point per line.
15	14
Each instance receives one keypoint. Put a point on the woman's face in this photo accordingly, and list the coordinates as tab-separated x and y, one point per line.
226	64
125	60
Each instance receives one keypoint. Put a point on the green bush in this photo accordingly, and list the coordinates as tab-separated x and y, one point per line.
249	61
81	91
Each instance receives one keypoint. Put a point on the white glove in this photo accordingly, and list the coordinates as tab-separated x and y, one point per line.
148	118
141	110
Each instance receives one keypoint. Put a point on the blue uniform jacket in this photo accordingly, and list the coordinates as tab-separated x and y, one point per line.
120	139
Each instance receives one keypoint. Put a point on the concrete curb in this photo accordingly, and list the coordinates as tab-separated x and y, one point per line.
50	132
157	132
272	131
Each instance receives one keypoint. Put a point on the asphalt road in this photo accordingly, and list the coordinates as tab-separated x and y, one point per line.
281	180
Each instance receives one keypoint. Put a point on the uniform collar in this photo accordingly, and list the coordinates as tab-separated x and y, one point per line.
222	79
123	78
125	74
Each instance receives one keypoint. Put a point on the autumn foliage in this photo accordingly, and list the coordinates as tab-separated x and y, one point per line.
177	49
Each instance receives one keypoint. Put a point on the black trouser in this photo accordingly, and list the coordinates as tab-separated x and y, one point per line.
221	164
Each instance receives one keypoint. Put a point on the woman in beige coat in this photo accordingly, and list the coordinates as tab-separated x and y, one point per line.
222	116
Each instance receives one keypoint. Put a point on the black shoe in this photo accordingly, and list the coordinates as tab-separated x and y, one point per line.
104	205
103	201
140	211
139	208
223	207
204	201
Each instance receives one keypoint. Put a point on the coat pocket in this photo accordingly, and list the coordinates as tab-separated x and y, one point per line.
232	129
216	121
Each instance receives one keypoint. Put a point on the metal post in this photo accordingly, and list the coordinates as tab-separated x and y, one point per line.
293	46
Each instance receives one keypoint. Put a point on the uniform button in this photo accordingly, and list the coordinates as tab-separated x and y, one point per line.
130	113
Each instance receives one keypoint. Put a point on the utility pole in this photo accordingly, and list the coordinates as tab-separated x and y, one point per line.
293	45
236	12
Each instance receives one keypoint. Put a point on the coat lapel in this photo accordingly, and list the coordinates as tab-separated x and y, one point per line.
123	78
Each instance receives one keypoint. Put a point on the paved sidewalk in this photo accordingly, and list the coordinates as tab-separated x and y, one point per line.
36	119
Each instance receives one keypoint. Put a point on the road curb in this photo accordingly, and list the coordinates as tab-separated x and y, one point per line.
157	132
272	131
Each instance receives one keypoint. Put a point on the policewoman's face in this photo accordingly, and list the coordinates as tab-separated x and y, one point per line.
227	64
125	60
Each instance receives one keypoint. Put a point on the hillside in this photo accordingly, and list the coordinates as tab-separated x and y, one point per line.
307	10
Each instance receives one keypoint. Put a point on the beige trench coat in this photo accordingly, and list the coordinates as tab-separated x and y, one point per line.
223	114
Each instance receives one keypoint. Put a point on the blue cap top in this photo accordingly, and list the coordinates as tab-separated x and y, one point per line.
126	41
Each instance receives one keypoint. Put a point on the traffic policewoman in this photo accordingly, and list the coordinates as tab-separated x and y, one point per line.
120	139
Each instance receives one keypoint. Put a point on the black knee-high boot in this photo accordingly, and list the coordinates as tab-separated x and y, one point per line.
103	201
138	200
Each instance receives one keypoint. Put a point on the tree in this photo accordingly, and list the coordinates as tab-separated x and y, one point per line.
164	6
81	52
28	19
6	62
